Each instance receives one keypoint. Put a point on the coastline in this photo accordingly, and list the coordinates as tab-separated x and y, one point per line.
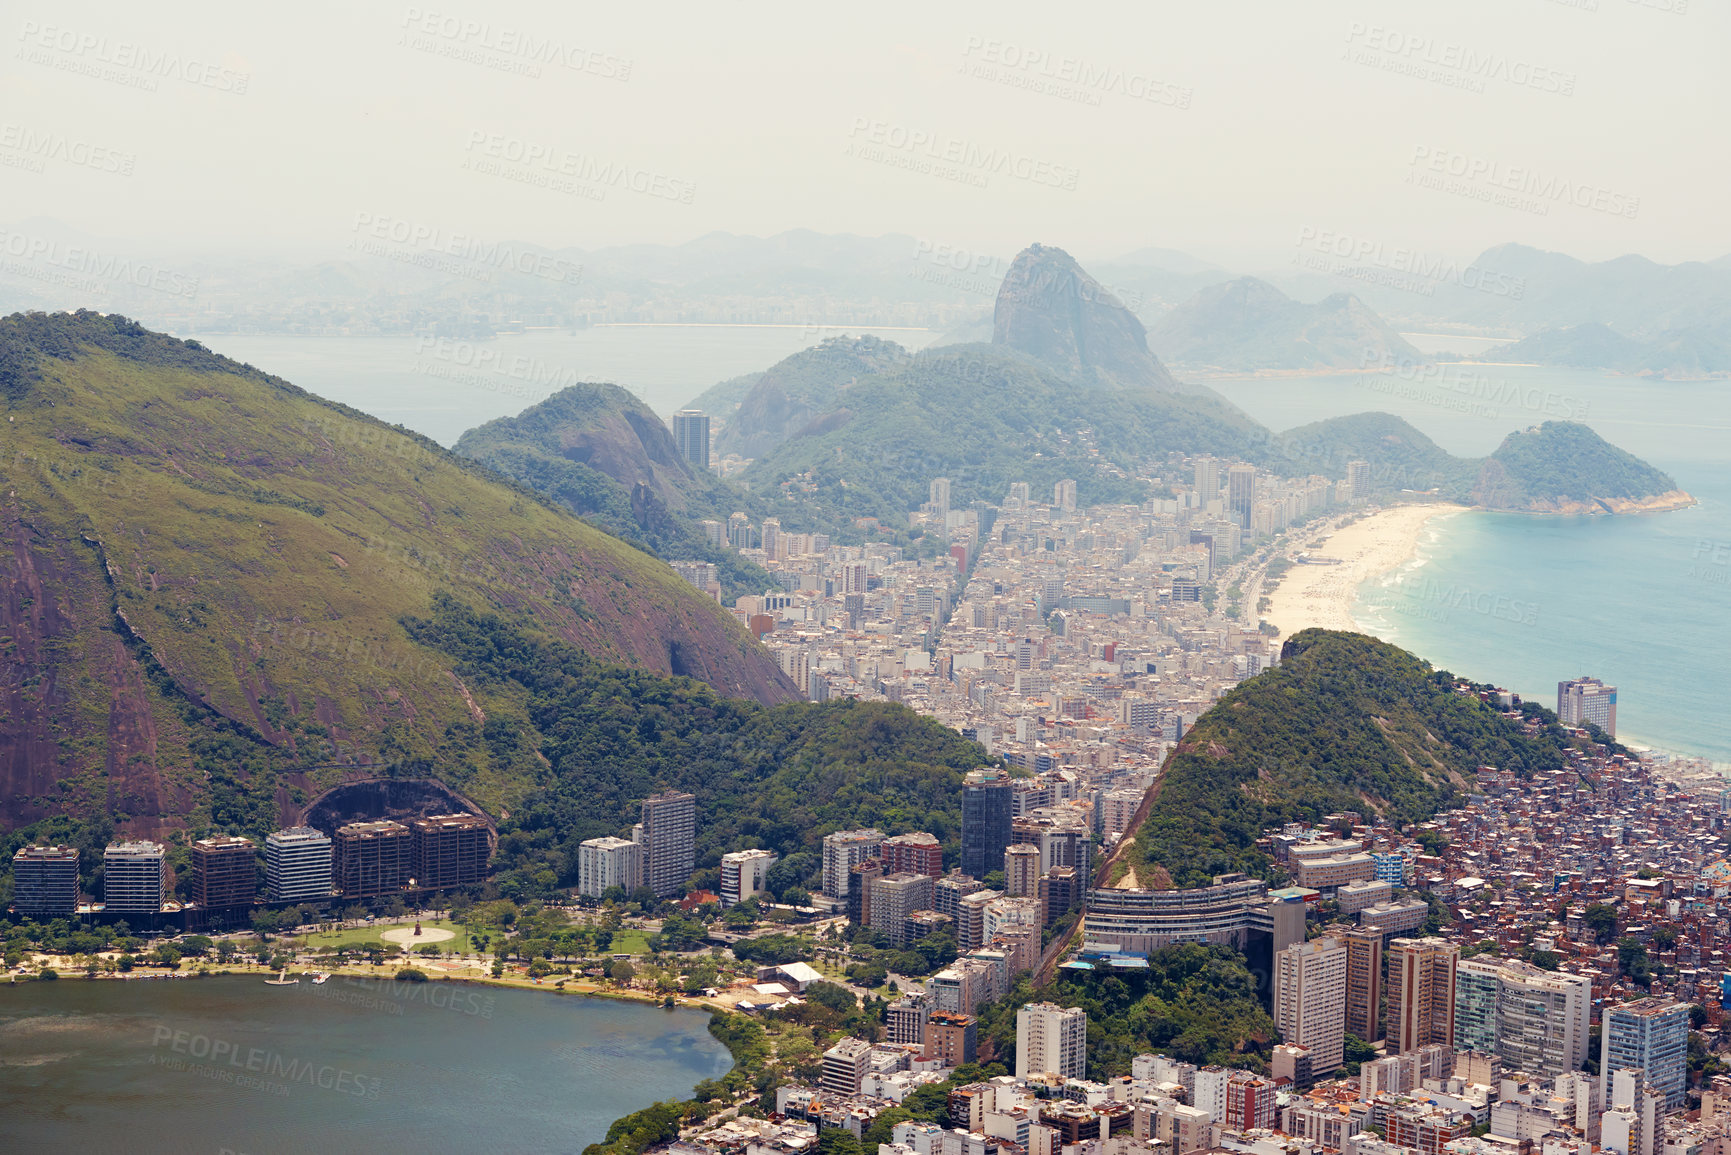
1323	595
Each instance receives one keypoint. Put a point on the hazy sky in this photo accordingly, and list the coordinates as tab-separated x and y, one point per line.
1595	127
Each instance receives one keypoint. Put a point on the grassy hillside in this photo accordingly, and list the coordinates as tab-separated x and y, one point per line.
1345	722
607	457
205	571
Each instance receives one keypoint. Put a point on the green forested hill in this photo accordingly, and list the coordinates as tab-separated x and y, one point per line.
607	457
598	739
1345	722
203	573
1563	462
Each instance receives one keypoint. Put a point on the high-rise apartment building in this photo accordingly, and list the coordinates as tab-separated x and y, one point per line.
297	865
1543	1018
373	858
951	889
1583	700
914	853
603	863
1241	493
1207	480
691	435
1022	870
905	1020
1064	495
893	898
1421	992
133	878
844	850
745	873
951	1037
860	877
1363	982
45	881
224	872
1310	1000
940	495
669	841
1476	982
1051	1039
1650	1034
987	812
1358	478
450	850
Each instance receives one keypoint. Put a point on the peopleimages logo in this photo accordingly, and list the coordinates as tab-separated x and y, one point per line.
1489	177
1354	255
1066	77
40	147
952	158
427	245
66	262
121	61
558	168
503	47
227	1061
1445	61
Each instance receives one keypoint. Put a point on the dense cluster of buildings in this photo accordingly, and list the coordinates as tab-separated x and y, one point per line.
301	865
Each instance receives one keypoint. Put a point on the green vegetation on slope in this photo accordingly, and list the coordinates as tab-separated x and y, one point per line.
984	418
1345	722
1196	1003
604	455
1564	459
776	778
210	565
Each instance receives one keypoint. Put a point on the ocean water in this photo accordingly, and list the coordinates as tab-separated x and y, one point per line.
443	388
219	1064
1642	602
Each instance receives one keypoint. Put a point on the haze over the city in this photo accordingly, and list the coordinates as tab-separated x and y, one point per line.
1223	130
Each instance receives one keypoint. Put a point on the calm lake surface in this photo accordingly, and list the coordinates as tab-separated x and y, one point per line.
228	1063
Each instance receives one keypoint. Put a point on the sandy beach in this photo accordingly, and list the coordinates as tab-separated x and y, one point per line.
1322	595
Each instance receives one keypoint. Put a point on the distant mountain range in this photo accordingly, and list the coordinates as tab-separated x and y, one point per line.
1249	325
1682	353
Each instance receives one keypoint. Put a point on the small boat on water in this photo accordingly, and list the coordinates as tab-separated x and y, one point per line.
281	980
321	979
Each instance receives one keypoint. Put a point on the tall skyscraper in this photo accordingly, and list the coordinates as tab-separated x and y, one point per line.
1310	1000
45	881
1651	1034
844	850
1421	993
1241	493
132	878
1583	700
987	812
1207	480
1022	870
1543	1018
691	435
1476	982
1019	492
1051	1040
373	858
893	898
297	865
224	872
1064	495
1363	982
450	850
1358	477
603	863
669	841
940	495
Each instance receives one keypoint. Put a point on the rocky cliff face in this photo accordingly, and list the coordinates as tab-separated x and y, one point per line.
1051	309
